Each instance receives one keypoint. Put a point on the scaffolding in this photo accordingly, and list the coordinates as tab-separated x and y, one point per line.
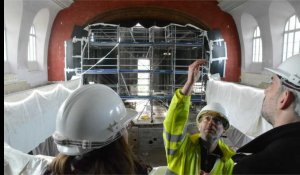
142	63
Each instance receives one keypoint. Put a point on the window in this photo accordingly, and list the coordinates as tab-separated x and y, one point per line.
257	46
5	56
143	78
32	45
291	44
143	86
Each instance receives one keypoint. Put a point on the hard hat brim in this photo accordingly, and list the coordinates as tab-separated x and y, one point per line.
75	150
278	72
130	115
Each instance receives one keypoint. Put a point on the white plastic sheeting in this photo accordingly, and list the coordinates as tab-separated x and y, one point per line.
160	170
29	122
17	162
243	104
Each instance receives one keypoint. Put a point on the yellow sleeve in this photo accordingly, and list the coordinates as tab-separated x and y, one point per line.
175	121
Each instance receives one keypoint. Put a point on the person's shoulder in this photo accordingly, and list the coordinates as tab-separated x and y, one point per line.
194	137
142	167
250	165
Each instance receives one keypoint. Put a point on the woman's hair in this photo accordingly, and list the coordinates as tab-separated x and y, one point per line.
115	158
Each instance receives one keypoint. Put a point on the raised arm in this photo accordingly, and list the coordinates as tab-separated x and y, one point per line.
193	76
178	112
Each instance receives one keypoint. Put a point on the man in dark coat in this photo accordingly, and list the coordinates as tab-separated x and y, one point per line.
278	150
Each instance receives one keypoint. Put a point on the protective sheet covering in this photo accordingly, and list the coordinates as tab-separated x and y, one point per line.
29	122
48	148
243	104
16	162
235	138
160	170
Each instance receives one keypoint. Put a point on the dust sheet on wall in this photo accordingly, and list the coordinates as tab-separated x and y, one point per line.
243	104
28	122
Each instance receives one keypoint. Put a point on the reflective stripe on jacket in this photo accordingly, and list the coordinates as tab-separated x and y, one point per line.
182	149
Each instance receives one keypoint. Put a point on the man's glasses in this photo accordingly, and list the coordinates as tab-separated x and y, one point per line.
216	119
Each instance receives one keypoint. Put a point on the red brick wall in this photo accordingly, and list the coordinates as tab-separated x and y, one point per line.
82	12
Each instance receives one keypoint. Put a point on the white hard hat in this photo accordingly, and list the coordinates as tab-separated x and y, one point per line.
290	71
91	117
214	108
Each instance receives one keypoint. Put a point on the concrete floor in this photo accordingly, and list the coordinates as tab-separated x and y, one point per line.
147	143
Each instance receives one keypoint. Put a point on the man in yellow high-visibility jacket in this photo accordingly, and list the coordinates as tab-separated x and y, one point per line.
201	153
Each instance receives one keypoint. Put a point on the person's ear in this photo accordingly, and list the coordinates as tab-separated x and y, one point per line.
224	134
286	99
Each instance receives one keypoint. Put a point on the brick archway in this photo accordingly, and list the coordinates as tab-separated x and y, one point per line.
203	14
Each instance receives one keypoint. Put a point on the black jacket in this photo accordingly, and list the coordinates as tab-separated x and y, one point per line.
274	152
